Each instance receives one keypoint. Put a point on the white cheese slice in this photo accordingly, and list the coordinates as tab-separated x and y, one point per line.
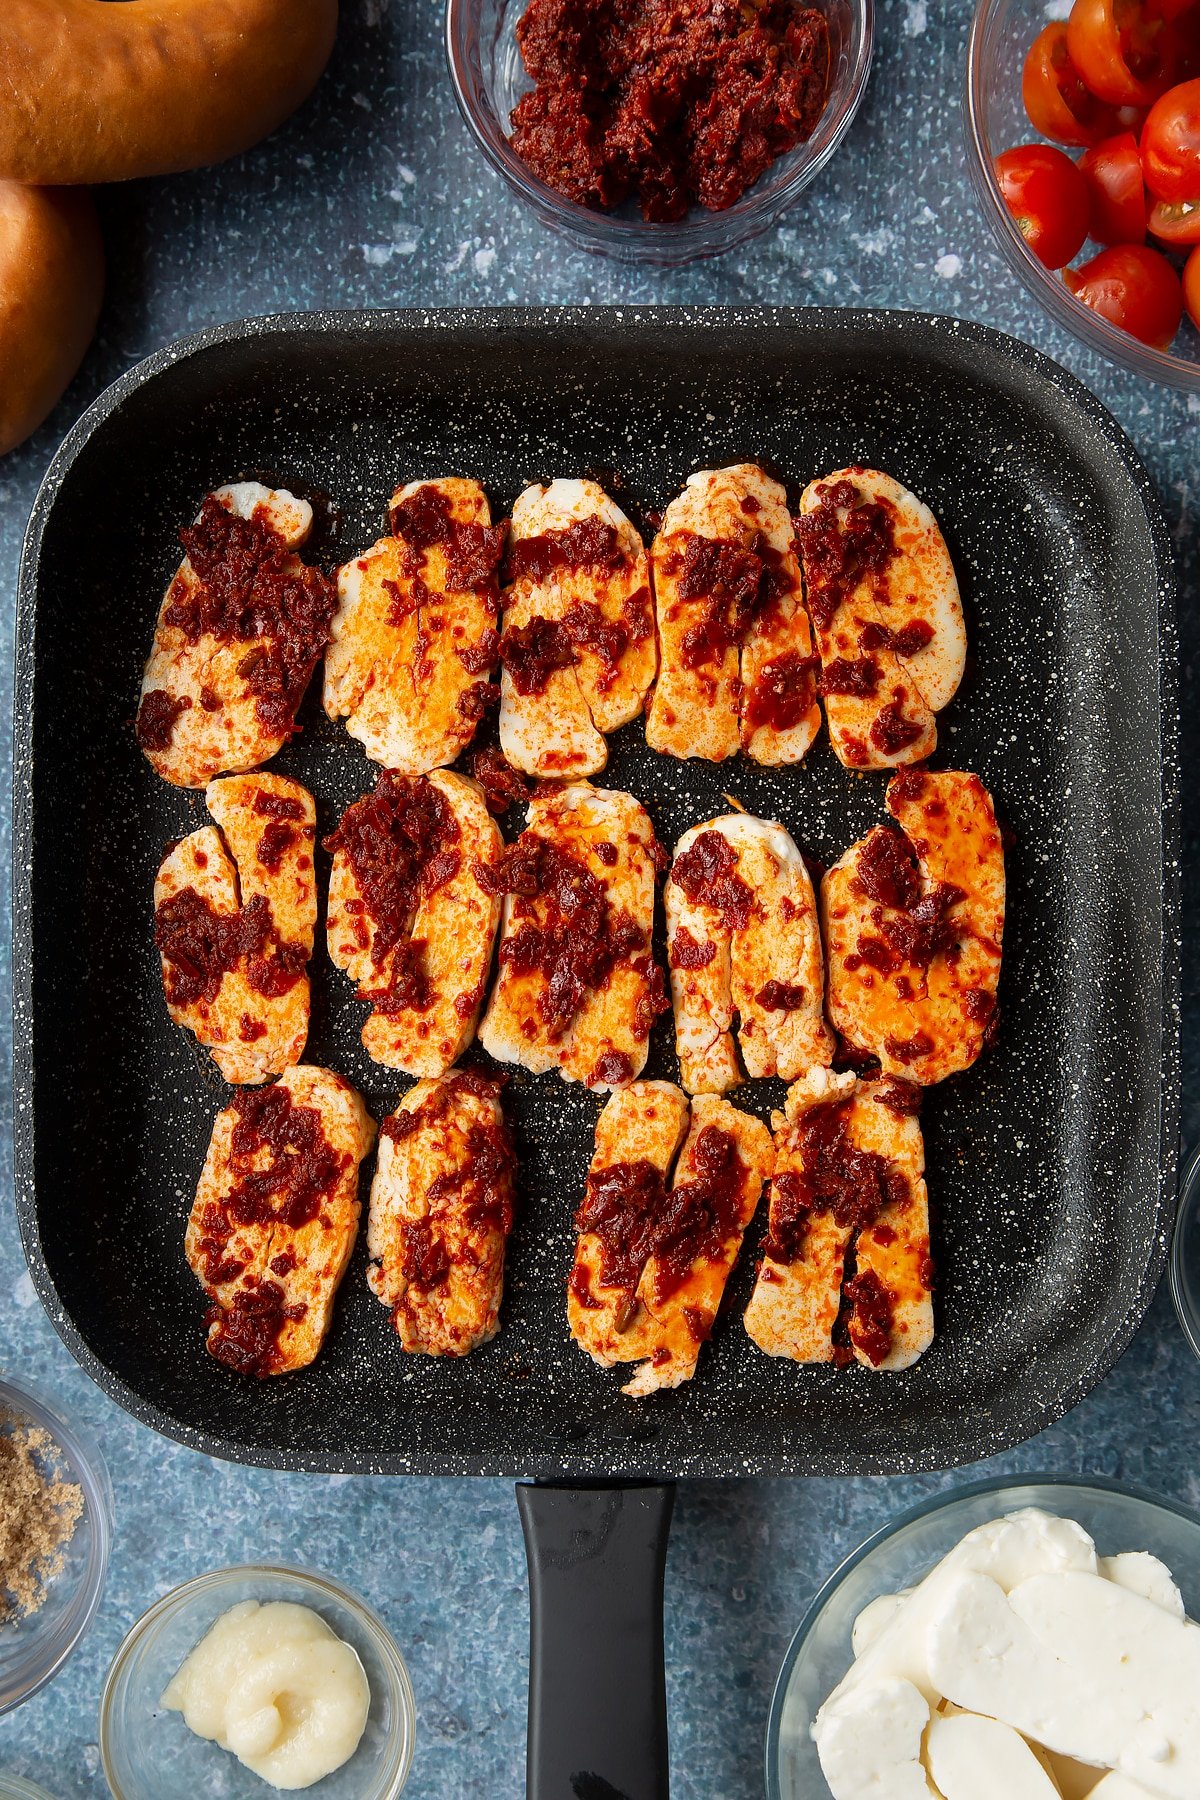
1114	1786
973	1758
869	1743
875	1616
1144	1574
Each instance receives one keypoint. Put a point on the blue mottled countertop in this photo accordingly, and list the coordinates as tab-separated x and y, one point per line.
374	196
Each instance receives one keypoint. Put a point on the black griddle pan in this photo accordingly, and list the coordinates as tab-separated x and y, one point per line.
1051	1164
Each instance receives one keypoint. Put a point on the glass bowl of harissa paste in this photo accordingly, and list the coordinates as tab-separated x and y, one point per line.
697	210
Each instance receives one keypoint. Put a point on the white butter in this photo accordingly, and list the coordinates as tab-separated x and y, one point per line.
278	1688
1144	1574
973	1758
870	1743
1079	1664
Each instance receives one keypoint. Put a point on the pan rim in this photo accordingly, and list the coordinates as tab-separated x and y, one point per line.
977	1440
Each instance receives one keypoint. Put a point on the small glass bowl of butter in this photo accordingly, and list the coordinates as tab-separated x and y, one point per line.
147	1748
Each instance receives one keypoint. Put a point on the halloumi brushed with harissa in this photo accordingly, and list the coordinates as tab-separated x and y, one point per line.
275	1218
414	640
235	909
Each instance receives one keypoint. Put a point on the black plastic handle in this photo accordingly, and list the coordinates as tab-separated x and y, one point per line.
597	1686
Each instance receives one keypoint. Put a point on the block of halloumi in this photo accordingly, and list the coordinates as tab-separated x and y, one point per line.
884	603
441	1212
690	1247
743	937
914	924
240	630
235	908
275	1218
736	661
577	987
414	640
578	647
408	919
848	1180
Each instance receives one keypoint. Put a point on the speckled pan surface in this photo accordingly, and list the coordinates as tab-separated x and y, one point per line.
1051	1164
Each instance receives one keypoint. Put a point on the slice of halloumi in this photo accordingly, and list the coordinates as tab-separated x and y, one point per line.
577	988
275	1218
441	1212
848	1177
235	908
239	632
578	647
408	919
914	924
414	639
742	936
736	662
884	603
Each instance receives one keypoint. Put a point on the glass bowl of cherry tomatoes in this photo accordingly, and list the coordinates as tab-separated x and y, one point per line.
1083	133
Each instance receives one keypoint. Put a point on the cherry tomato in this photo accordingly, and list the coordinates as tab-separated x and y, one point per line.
1175	224
1124	53
1057	102
1191	287
1048	197
1171	144
1133	287
1116	194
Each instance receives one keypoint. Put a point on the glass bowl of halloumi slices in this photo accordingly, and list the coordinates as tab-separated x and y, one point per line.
1016	1638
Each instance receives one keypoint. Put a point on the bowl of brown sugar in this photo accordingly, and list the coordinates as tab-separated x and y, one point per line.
55	1532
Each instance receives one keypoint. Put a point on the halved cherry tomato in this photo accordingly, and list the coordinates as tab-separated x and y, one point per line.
1048	197
1057	101
1133	287
1124	53
1175	224
1171	144
1116	194
1191	287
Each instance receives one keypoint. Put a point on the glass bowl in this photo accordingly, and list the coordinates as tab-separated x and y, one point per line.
489	78
12	1787
1117	1517
147	1751
34	1649
1001	33
1185	1253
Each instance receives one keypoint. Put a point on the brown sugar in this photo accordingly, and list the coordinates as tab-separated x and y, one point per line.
39	1511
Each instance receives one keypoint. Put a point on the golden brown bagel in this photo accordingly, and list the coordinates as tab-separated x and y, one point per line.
51	282
91	91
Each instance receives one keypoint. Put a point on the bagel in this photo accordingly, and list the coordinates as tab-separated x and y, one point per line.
51	283
91	91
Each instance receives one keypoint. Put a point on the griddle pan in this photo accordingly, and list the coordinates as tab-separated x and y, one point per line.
1051	1163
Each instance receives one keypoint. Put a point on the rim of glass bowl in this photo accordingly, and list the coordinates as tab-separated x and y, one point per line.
922	1509
321	1585
1189	1204
15	1787
1046	285
671	242
87	1467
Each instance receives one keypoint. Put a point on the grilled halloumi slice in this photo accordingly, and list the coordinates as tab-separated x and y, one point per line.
275	1218
235	908
848	1177
742	936
884	602
578	647
638	1136
914	924
407	919
226	698
414	639
441	1211
736	662
577	988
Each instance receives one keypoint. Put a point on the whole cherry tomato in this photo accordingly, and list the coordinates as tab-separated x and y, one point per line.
1191	287
1171	144
1057	101
1048	197
1125	53
1133	287
1116	194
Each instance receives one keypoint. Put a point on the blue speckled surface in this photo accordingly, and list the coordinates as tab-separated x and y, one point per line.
373	196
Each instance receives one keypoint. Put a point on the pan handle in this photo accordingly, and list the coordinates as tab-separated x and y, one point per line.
597	1687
